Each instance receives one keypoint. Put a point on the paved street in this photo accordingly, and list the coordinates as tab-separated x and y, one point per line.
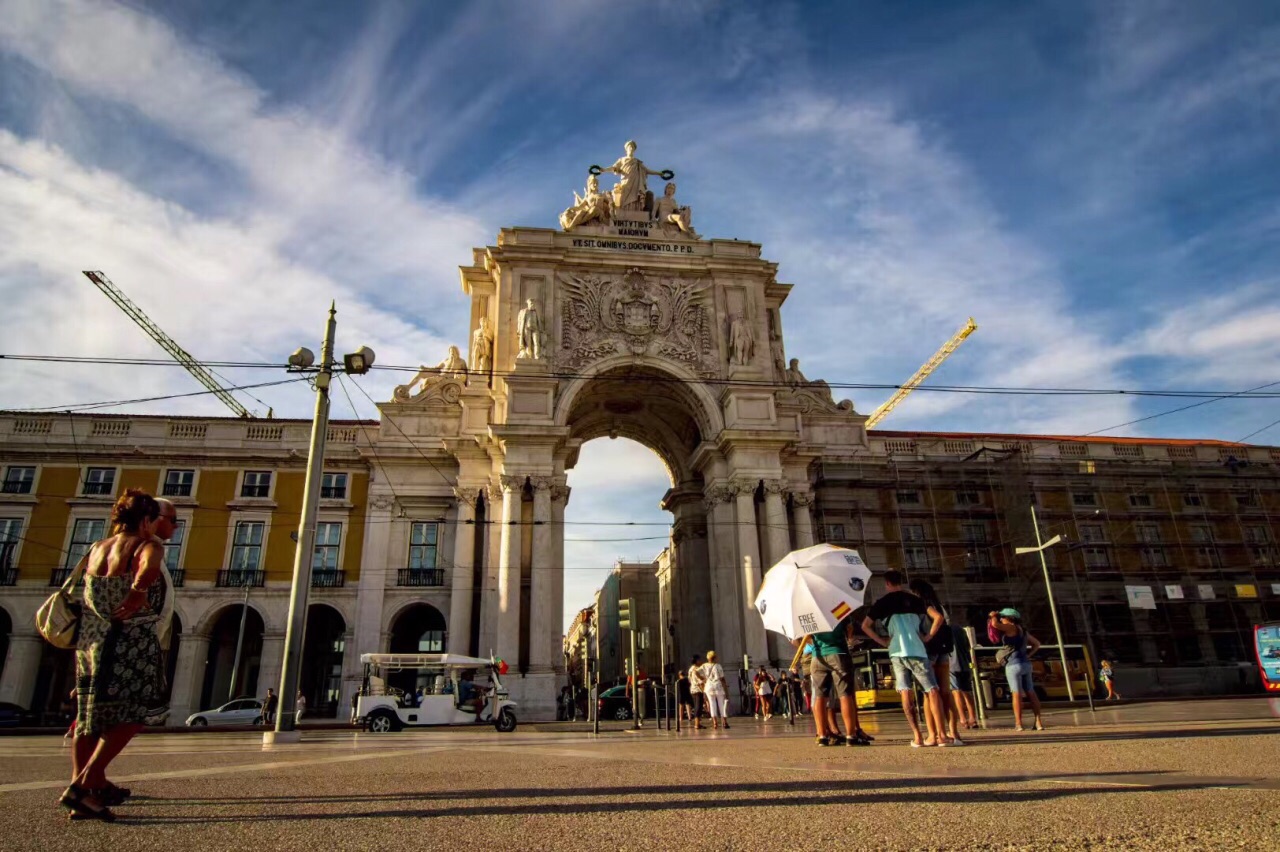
1164	775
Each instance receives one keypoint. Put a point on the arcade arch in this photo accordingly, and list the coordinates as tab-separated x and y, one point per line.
6	628
325	644
222	663
418	628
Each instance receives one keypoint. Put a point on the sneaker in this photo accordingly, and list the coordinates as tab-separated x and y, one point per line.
956	741
863	735
856	741
823	741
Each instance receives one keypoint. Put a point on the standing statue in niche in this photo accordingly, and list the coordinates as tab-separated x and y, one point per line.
632	189
529	327
482	348
742	343
592	206
668	213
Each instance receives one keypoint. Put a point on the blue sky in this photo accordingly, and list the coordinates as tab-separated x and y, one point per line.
1094	182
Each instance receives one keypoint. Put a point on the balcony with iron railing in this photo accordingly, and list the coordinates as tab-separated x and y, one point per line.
58	576
238	579
179	577
8	576
420	577
328	579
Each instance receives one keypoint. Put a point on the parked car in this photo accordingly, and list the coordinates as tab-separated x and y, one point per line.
13	716
242	711
613	703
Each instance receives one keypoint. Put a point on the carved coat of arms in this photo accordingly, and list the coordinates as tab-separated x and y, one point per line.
607	314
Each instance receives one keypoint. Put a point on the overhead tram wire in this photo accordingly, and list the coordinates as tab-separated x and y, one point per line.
752	383
1241	394
88	406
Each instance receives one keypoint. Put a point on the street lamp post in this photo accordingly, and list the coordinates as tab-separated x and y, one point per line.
301	361
1040	548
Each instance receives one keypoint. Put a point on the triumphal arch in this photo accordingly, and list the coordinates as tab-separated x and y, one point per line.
623	322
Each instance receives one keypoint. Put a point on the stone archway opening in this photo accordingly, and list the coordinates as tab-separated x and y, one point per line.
666	414
417	629
6	628
325	644
227	675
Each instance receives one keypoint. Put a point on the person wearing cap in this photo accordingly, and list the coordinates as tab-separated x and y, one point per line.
1006	627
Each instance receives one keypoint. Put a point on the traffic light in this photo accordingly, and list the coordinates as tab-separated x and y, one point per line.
626	608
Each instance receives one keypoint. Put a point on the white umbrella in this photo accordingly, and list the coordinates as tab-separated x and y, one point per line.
812	590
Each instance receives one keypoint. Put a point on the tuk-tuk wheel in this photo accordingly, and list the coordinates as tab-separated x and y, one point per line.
381	722
506	721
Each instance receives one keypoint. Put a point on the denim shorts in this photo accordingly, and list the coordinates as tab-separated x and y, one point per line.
1018	674
907	669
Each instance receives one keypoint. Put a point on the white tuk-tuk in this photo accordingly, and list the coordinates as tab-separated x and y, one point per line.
449	697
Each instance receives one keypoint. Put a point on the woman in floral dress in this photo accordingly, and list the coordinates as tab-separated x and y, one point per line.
120	681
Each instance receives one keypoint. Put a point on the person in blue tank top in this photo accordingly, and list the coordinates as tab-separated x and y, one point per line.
1006	625
900	611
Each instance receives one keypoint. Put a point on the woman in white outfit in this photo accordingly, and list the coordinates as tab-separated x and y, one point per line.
714	689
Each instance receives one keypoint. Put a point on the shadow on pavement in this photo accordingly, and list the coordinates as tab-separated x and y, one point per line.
881	791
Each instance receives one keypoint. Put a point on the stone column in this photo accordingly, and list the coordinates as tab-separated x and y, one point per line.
801	519
269	664
509	570
462	583
21	665
542	655
778	541
487	571
753	635
188	678
726	612
374	564
559	500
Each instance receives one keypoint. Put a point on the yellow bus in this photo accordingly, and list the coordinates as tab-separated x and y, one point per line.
873	674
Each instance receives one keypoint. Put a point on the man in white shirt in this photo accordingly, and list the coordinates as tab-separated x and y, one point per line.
697	681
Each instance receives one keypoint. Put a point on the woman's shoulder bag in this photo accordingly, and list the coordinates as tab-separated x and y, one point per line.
58	619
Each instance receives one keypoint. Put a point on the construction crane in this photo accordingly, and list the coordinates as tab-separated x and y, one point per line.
103	283
923	373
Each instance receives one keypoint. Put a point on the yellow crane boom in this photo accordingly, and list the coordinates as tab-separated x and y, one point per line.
123	302
923	373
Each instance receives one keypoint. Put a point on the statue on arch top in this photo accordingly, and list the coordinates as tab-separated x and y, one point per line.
631	192
669	215
592	206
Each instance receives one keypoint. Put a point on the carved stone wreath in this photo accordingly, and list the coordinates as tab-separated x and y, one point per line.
607	314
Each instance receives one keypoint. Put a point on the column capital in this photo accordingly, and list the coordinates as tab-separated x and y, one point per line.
560	493
381	502
541	483
774	486
510	482
718	494
466	495
802	498
744	485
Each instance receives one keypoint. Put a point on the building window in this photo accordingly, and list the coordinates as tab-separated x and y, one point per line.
913	532
19	480
1147	533
246	546
908	498
1083	498
422	546
974	533
324	555
1192	499
178	483
85	532
173	547
1201	533
980	559
917	559
835	532
333	486
10	535
257	483
1247	499
1092	532
1140	501
1096	557
967	498
99	481
1256	535
1153	557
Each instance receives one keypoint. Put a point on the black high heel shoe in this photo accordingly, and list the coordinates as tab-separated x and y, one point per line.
75	798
